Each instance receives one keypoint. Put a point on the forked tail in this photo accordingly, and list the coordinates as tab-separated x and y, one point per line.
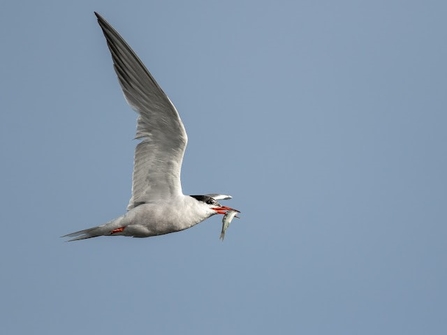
84	234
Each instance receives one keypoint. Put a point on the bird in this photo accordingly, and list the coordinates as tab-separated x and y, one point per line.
157	205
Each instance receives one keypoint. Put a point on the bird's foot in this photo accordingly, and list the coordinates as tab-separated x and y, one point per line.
117	230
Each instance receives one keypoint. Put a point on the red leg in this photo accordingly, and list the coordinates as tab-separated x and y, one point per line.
117	230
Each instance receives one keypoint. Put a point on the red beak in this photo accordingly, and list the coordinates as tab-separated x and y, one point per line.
224	209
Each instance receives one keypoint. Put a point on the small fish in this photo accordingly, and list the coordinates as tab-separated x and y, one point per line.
226	220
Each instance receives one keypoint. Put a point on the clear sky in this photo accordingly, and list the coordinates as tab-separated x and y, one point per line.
326	121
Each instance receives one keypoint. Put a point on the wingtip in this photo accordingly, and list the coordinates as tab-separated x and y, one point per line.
220	196
99	17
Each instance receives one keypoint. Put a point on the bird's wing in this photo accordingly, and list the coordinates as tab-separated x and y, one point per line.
219	196
159	156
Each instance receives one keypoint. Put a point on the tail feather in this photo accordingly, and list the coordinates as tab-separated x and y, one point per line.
106	229
84	234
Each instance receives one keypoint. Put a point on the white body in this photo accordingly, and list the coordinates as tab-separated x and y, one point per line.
153	219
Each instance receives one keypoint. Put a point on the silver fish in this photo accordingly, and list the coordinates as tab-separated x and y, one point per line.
226	220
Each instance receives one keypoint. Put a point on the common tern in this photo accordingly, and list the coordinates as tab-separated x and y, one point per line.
158	205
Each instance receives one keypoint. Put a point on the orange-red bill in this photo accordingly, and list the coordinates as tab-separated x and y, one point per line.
224	209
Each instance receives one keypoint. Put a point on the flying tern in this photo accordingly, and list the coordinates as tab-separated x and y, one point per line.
158	205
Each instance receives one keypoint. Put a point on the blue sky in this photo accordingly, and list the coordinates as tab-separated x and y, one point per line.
325	120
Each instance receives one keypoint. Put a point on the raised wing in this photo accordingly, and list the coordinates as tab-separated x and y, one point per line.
159	156
219	196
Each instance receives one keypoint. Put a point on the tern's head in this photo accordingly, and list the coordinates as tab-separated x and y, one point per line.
212	203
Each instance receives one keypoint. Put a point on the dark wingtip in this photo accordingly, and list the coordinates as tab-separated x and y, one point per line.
101	20
99	17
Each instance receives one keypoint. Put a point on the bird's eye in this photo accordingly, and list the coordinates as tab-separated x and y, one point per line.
210	201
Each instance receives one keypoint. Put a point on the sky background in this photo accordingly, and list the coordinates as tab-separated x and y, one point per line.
325	120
